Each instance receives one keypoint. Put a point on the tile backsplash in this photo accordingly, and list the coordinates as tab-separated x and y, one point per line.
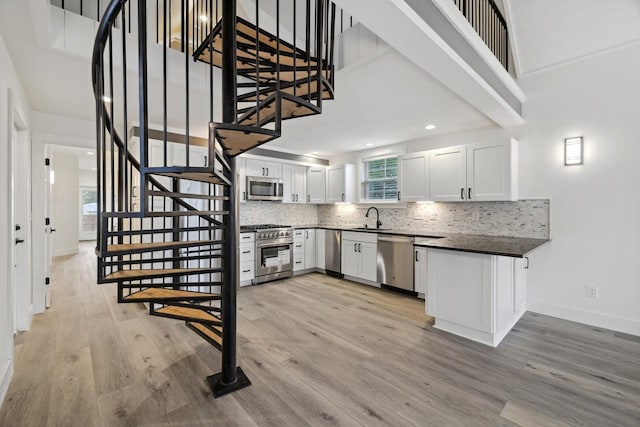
278	213
524	218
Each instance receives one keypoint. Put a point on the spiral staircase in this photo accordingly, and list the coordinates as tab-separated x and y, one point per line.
168	230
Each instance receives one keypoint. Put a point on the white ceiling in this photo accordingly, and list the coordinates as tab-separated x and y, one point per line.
551	32
385	101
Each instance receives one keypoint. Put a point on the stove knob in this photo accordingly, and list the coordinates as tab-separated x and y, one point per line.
282	233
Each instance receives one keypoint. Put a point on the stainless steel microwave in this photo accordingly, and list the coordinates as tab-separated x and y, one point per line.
261	188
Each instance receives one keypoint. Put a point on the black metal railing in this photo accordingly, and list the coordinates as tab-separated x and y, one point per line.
92	9
487	20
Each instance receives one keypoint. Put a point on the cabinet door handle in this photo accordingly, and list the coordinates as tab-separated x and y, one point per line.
416	256
293	197
398	195
462	193
18	241
244	195
246	237
359	247
206	161
308	198
263	172
246	271
297	197
267	171
248	252
355	247
469	197
343	197
306	234
526	267
298	262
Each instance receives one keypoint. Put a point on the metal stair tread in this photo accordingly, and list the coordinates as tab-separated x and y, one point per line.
303	88
154	246
183	213
194	176
187	314
155	272
291	107
156	193
236	139
164	294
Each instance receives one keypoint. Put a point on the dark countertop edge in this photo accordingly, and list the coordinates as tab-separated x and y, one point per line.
534	242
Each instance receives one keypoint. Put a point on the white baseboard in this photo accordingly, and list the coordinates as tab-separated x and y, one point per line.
600	320
6	372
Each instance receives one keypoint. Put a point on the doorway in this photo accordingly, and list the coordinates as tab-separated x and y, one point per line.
88	213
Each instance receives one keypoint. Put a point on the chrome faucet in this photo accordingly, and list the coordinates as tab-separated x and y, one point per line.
378	223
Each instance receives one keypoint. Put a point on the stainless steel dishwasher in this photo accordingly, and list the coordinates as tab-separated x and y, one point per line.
395	262
332	251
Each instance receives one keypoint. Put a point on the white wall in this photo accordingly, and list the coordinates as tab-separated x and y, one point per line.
8	82
65	204
87	178
595	208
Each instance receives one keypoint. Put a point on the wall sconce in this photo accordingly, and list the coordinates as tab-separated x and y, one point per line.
573	151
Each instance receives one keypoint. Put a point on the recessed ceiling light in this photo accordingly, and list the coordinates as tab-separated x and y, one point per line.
94	169
90	153
368	144
430	127
204	18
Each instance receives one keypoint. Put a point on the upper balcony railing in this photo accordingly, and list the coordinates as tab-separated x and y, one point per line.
486	19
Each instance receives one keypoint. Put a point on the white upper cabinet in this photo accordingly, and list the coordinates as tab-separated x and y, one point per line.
241	172
316	184
295	183
448	174
341	183
413	177
257	167
492	171
475	172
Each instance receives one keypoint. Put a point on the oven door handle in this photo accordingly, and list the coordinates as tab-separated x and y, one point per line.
270	245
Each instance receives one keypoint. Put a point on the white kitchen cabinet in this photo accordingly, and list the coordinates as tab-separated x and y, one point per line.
241	172
448	174
477	296
359	255
259	167
420	271
320	248
413	177
294	180
317	184
492	171
247	258
475	172
341	183
304	249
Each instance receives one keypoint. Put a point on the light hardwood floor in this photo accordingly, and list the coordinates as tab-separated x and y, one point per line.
319	351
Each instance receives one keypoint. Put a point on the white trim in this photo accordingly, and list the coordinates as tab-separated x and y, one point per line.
580	58
600	320
6	373
460	23
513	39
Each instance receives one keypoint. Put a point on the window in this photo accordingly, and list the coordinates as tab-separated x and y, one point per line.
380	179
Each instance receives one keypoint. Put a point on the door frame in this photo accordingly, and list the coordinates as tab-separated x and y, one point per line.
21	280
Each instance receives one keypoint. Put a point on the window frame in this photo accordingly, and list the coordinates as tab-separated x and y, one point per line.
363	194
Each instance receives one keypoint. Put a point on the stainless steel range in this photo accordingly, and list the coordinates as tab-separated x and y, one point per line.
274	251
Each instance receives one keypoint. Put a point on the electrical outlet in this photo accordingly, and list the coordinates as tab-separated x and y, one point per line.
592	291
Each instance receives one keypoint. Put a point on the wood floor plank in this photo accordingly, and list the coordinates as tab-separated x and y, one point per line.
319	351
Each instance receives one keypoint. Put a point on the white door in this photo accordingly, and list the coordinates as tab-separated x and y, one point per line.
420	271
310	248
448	174
414	177
300	183
288	177
368	253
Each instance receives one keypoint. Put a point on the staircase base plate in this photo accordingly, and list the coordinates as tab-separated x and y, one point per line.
219	389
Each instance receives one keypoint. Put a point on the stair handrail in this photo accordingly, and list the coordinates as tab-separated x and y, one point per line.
108	20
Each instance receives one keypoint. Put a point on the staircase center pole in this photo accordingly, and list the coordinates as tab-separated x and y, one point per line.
231	378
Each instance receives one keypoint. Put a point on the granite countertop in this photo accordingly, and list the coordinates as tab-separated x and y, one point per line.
517	247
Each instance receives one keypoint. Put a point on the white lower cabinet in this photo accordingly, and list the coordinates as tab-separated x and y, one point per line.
420	271
477	296
247	258
304	249
359	255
